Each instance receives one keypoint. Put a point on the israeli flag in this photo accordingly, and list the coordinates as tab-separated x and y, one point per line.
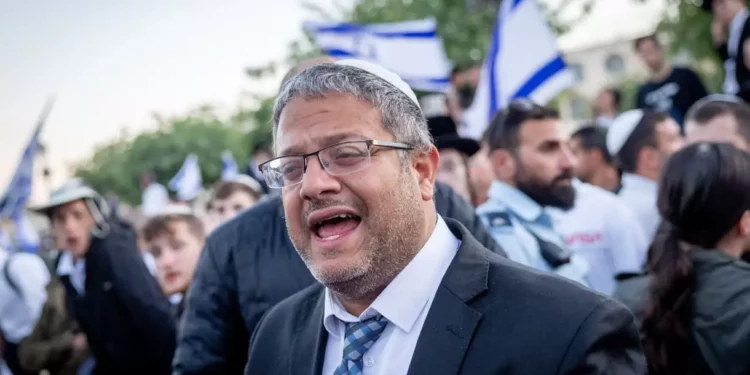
13	201
17	194
411	49
229	170
187	183
523	61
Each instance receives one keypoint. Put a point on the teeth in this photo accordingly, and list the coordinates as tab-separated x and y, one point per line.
331	238
341	216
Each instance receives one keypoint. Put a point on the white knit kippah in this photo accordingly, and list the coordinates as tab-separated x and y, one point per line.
383	73
621	129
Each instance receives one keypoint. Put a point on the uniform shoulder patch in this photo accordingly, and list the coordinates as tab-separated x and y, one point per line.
499	219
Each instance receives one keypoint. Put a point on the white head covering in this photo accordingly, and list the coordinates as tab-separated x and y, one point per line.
383	73
71	191
621	129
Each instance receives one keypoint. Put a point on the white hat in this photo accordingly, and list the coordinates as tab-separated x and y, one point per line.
621	129
383	73
249	182
72	191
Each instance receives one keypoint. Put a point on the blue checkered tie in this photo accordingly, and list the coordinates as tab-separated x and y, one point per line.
359	338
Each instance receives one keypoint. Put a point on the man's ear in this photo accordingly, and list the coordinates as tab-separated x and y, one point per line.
648	158
742	228
503	164
425	166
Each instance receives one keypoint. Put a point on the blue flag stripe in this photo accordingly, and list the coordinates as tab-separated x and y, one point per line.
349	28
493	52
554	66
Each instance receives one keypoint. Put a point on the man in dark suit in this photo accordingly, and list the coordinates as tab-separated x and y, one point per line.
404	290
730	29
237	279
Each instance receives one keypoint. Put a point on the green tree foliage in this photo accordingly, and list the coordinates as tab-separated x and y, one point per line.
116	167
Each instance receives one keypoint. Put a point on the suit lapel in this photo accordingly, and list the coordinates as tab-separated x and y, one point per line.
451	322
310	341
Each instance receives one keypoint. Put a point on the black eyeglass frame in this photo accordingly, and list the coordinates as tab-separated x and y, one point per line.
305	157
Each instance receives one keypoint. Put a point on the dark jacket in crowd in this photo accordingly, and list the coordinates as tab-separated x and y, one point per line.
248	266
721	307
126	318
741	72
50	345
489	316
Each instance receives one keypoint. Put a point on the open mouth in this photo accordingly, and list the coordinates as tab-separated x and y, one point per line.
335	226
172	276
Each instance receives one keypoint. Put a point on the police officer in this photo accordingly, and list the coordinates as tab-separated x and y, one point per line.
640	142
534	169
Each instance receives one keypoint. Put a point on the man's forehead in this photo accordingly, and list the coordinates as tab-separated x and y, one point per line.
537	131
321	122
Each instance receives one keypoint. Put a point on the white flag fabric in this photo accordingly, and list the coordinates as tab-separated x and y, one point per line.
187	183
523	61
411	49
229	169
27	238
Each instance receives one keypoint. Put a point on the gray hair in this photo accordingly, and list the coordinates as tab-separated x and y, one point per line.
401	116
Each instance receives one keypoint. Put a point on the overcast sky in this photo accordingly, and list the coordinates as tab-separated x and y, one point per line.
113	63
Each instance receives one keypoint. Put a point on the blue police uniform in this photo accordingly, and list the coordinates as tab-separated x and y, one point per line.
520	225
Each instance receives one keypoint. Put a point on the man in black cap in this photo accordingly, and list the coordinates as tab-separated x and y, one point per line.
454	153
731	37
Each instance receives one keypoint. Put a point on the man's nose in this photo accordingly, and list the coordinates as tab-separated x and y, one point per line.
316	181
567	159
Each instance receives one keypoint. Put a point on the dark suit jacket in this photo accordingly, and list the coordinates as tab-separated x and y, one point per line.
248	265
489	316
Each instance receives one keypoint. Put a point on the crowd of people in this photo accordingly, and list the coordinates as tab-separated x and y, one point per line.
372	237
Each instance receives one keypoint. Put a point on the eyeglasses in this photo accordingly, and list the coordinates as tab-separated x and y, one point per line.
337	160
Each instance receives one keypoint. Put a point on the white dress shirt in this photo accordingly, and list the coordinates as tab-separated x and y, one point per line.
639	194
75	270
19	313
605	232
155	198
405	303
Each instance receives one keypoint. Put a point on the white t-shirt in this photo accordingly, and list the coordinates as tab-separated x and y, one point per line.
19	313
155	198
605	232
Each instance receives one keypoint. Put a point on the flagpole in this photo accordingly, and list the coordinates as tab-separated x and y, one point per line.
45	112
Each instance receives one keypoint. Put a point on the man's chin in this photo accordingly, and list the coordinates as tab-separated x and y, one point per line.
331	272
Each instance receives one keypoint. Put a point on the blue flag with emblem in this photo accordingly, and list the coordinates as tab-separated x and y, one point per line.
411	49
187	183
13	201
522	61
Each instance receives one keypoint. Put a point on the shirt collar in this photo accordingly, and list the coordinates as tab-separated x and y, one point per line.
66	266
630	180
403	300
518	202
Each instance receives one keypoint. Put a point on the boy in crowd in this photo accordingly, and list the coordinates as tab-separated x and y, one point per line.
234	196
175	240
